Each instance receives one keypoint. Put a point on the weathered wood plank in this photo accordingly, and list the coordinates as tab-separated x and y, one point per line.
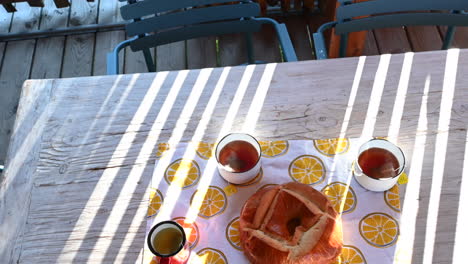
232	50
27	134
83	13
135	61
53	17
392	40
48	57
15	70
79	49
171	57
97	156
105	42
5	21
25	19
266	45
300	37
201	53
424	38
109	12
370	47
78	56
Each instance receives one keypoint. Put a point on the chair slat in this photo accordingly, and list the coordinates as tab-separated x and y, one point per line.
149	7
201	30
395	20
193	16
389	6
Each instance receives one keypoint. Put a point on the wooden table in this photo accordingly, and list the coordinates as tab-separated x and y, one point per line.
82	150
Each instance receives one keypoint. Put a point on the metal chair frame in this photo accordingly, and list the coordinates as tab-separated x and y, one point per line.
157	23
353	17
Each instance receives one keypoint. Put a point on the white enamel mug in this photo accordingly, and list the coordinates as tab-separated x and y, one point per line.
243	176
379	184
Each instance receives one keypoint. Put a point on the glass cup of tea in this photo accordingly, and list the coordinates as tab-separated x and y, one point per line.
167	240
379	165
238	156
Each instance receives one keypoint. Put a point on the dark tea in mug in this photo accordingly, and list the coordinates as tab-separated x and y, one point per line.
379	163
238	156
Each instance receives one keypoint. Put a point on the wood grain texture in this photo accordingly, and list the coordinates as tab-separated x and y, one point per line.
47	61
25	19
109	12
48	56
28	129
232	50
105	43
5	20
201	53
78	56
171	57
83	13
370	46
266	45
15	70
392	40
97	151
300	37
135	61
53	17
424	38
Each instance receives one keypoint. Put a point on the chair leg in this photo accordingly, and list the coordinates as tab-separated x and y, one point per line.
149	60
249	44
343	45
448	38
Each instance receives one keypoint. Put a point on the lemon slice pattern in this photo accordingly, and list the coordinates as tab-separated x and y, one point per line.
307	169
332	146
342	197
379	229
233	233
350	255
155	201
184	173
214	202
392	198
210	256
271	149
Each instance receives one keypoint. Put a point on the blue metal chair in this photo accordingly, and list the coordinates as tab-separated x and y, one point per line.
159	22
353	17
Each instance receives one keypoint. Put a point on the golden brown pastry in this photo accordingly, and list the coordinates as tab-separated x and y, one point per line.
290	223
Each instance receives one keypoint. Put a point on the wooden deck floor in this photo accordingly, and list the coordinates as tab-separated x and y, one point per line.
84	55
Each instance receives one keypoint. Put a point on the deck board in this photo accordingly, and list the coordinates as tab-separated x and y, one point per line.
109	12
232	50
424	38
15	70
201	53
300	37
5	20
171	57
25	19
392	40
47	62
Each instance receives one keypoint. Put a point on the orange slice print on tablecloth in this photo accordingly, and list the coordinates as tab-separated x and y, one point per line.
191	231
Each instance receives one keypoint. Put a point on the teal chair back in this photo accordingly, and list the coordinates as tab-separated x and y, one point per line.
353	17
159	22
165	21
